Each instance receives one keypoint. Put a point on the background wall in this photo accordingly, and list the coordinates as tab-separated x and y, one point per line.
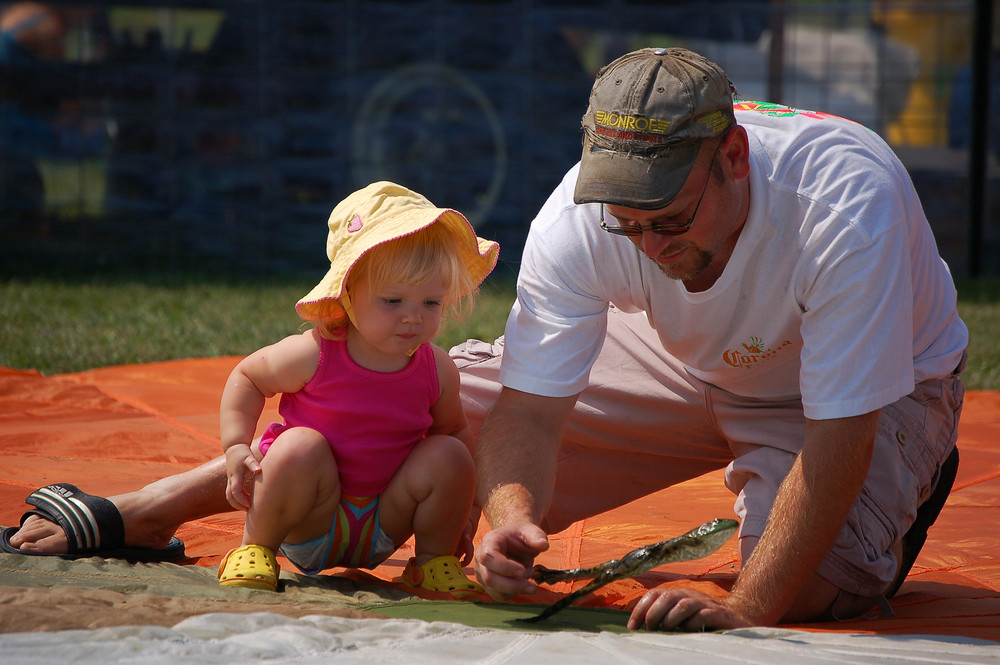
175	134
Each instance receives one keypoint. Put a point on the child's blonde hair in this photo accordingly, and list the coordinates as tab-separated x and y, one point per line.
410	259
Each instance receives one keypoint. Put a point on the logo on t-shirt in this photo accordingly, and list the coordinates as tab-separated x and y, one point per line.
780	110
753	353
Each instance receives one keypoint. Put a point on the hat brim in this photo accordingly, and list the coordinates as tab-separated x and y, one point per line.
479	255
645	181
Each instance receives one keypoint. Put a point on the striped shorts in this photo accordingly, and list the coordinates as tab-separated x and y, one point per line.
355	540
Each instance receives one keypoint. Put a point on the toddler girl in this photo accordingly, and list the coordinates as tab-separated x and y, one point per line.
373	446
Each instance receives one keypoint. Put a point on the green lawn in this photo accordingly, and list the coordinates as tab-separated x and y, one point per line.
979	307
68	325
61	325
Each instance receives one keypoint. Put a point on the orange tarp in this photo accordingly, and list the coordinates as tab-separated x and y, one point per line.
115	429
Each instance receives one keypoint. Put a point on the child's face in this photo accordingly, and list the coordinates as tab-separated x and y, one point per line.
396	318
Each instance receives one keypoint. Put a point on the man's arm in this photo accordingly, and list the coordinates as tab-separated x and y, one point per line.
811	507
808	513
516	465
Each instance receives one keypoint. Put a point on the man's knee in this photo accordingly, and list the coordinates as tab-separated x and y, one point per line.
479	367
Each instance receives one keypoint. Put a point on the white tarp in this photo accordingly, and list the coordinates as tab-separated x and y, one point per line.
249	639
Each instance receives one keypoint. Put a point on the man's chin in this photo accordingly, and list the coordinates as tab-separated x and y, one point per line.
685	270
672	272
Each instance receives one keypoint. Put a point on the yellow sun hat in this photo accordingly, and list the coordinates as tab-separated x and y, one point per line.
381	212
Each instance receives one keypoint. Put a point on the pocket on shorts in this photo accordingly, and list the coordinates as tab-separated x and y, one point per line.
924	426
474	351
914	436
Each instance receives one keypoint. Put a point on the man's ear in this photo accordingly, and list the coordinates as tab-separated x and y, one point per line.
736	148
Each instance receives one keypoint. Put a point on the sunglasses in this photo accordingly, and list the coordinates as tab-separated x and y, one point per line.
663	229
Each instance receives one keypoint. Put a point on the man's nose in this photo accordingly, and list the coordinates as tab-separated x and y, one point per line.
653	243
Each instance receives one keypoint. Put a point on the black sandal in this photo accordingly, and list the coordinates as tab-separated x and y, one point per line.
93	527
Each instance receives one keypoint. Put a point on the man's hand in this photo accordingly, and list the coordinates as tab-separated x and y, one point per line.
778	580
684	609
505	557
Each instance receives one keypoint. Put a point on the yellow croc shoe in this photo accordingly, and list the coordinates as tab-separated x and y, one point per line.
442	573
251	567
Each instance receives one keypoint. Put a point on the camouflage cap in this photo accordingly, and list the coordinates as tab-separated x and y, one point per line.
648	112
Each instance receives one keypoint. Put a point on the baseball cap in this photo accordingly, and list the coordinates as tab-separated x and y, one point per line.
379	213
648	112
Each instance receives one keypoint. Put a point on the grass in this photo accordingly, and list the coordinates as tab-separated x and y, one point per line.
979	307
60	325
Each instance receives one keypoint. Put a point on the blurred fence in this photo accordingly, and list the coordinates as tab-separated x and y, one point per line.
169	134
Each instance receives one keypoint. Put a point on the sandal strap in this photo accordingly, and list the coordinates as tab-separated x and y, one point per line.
91	523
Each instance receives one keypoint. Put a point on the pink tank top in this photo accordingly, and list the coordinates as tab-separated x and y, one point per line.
372	420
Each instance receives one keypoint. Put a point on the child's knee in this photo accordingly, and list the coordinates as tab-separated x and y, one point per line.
446	453
437	464
300	447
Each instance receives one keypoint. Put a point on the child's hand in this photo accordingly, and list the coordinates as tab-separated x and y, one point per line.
466	550
241	467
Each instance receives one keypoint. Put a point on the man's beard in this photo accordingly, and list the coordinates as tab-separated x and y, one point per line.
687	271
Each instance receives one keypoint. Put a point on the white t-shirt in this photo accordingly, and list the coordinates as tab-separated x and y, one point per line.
835	292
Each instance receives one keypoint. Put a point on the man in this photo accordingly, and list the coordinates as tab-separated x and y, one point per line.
757	290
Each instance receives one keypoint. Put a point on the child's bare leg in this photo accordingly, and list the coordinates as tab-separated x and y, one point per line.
431	497
151	514
295	495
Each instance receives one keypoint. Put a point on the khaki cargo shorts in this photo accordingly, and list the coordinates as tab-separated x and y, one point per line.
644	424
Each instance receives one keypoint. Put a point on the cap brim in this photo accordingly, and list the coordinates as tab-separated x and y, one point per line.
641	181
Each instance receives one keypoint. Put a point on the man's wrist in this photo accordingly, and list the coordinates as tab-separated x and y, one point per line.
509	503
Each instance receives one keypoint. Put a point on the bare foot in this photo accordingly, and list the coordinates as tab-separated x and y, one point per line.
40	535
150	515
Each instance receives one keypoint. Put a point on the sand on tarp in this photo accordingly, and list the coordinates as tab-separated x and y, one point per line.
49	593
